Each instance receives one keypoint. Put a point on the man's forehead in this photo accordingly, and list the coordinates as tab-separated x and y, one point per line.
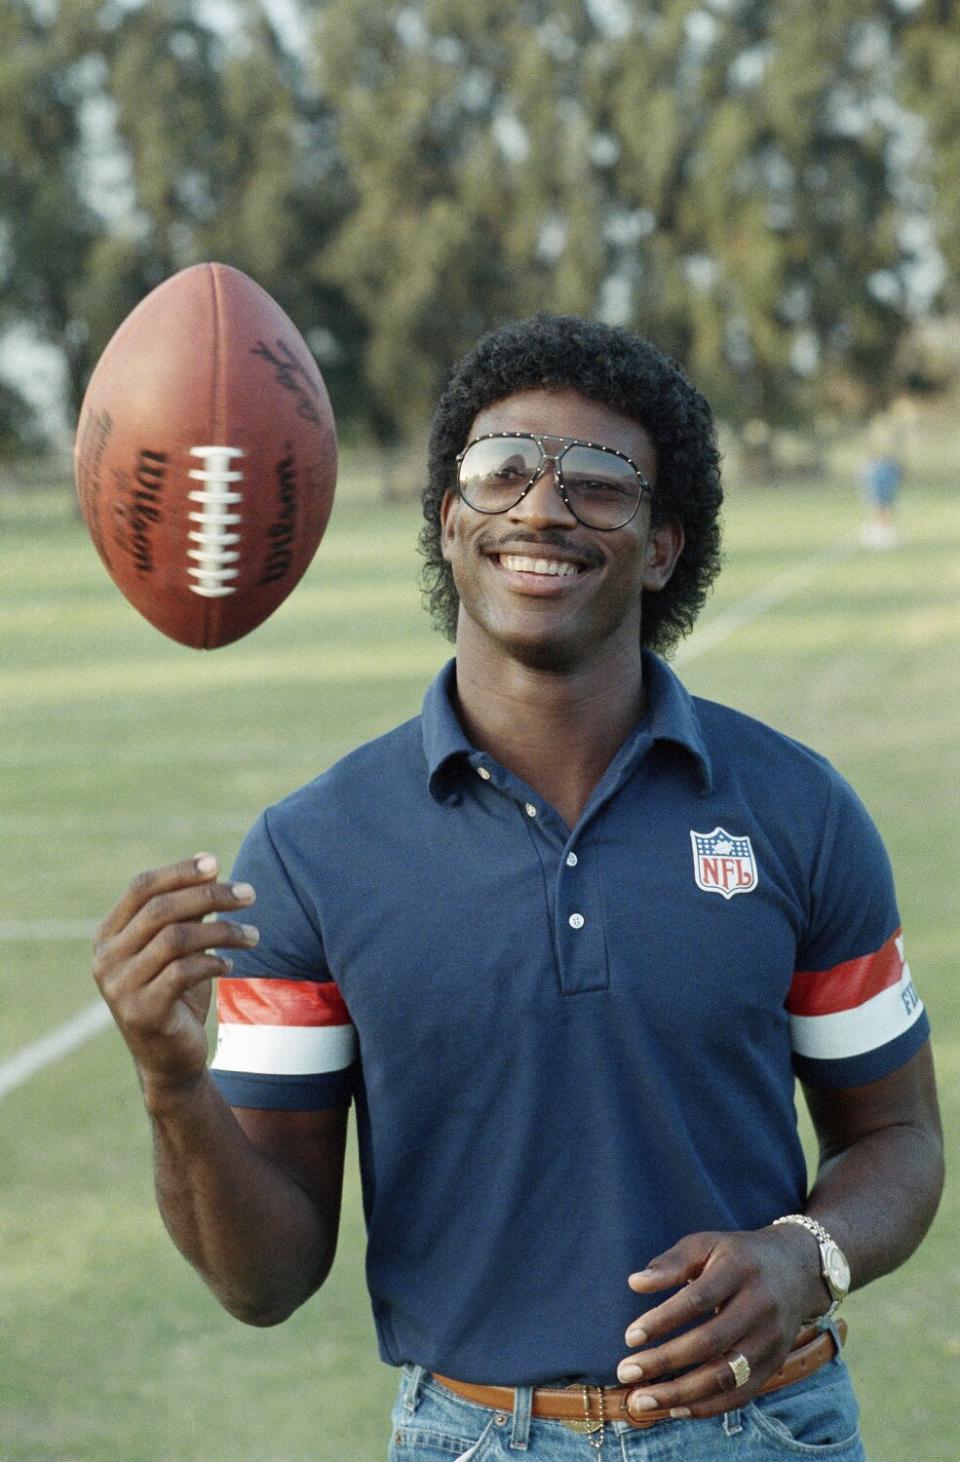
566	412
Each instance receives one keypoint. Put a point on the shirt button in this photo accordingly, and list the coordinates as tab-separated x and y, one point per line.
530	809
571	860
577	921
482	772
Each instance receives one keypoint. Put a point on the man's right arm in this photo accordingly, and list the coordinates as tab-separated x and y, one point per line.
251	1198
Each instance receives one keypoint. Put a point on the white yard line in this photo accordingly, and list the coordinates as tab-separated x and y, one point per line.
768	596
51	1048
72	1033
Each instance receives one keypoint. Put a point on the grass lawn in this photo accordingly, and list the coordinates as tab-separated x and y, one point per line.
121	750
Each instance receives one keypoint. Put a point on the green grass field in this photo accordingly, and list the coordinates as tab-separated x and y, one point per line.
121	750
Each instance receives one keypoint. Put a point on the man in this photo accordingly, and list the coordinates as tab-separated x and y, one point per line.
567	939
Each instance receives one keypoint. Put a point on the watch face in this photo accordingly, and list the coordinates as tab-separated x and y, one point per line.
838	1271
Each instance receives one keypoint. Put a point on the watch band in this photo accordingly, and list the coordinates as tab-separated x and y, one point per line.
828	1246
805	1221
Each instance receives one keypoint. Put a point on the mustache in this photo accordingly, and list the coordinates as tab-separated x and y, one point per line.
551	538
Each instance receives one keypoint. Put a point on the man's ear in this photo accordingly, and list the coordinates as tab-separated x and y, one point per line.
448	515
664	547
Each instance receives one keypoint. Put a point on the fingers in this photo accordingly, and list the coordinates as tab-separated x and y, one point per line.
155	1011
677	1265
154	960
175	924
191	871
162	915
703	1342
171	948
163	896
711	1361
736	1299
706	1391
703	1288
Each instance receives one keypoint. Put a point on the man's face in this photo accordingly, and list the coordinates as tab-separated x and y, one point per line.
534	583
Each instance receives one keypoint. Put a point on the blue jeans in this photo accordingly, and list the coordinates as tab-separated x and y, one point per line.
815	1418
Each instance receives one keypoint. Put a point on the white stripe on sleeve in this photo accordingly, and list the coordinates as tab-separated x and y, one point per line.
864	1028
284	1050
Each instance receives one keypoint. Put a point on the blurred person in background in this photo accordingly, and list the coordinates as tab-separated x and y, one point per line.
883	472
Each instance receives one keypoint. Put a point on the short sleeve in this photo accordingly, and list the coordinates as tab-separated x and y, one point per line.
855	1013
285	1039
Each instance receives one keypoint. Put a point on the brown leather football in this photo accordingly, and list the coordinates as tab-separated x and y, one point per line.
206	456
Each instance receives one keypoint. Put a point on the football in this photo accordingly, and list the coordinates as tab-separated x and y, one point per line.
206	456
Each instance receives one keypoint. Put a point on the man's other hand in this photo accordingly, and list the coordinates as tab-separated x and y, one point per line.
741	1294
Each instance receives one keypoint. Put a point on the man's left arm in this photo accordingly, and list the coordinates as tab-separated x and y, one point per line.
878	1185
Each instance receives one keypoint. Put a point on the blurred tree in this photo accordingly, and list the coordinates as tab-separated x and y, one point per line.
138	139
720	174
468	152
770	260
21	433
47	228
232	160
931	44
728	176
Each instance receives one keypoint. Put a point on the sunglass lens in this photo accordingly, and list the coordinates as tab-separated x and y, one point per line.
603	489
494	472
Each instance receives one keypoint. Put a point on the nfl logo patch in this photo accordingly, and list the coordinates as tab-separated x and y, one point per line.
722	863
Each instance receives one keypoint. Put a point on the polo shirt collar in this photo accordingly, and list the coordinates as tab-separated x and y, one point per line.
445	742
670	716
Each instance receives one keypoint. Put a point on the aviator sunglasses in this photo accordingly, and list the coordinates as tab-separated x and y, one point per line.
601	486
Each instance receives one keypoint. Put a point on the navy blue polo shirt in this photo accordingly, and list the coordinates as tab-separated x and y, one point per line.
568	1048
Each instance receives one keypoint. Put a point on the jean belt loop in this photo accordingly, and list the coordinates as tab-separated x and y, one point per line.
837	1342
522	1408
732	1422
414	1380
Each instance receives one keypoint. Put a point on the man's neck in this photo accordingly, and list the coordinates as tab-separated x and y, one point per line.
557	731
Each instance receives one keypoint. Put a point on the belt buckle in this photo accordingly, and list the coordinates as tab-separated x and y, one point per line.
588	1426
582	1424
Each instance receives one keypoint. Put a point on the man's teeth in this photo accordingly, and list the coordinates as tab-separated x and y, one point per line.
520	564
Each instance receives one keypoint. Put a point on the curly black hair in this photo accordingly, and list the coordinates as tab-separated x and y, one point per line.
627	374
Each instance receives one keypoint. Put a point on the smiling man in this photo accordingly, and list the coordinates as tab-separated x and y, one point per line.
568	939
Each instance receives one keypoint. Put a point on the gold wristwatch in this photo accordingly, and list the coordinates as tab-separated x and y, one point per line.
833	1264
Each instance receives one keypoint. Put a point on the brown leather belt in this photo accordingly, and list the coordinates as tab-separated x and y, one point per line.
582	1404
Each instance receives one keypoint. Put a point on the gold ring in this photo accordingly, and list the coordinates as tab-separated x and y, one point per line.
741	1369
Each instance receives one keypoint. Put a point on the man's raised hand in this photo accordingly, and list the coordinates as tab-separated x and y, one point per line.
154	963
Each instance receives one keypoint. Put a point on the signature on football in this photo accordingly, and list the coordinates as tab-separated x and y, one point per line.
292	377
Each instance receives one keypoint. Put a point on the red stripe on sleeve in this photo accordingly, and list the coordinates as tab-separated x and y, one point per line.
280	1002
847	985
